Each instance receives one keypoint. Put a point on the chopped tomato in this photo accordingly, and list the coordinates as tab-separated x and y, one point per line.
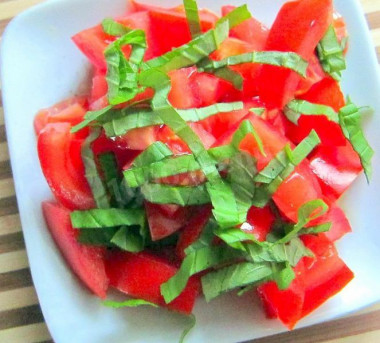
339	223
299	26
86	262
63	170
326	92
99	87
70	111
325	275
191	232
260	222
170	27
162	225
336	168
93	42
141	275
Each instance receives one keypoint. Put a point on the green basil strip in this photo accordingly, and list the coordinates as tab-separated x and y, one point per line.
129	119
296	108
225	207
314	230
130	239
288	60
137	176
236	16
350	122
283	275
103	218
306	213
330	53
113	28
122	74
91	171
241	172
180	195
92	116
195	262
235	276
155	152
191	53
127	303
192	16
281	167
112	179
188	329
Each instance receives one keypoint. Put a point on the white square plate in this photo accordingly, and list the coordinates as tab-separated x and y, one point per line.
40	66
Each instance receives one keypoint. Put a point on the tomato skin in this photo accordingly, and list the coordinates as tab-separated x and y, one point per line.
64	172
286	305
317	279
141	275
336	169
87	262
71	111
93	41
162	225
340	224
324	275
260	221
326	92
299	26
251	30
192	230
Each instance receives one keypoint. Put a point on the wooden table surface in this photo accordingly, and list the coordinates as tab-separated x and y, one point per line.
21	319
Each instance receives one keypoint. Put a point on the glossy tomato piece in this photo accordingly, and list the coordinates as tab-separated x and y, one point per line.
86	262
93	41
141	275
339	223
286	305
169	26
314	74
302	179
248	71
63	167
161	224
251	30
336	169
299	26
70	111
325	275
260	222
99	87
192	230
326	92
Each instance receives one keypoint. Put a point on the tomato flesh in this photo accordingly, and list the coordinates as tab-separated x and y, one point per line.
299	26
141	275
86	262
64	172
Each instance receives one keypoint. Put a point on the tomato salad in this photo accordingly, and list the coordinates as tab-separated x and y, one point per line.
208	157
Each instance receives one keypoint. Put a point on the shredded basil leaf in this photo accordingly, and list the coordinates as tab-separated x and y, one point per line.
187	330
306	213
281	167
127	303
191	53
192	16
330	53
102	218
350	122
180	195
195	262
129	119
91	172
122	74
113	28
235	276
289	60
294	109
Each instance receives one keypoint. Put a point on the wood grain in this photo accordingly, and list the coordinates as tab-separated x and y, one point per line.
21	319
